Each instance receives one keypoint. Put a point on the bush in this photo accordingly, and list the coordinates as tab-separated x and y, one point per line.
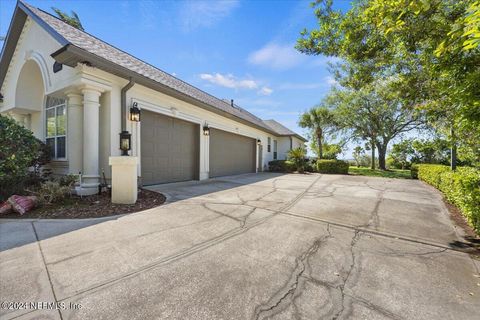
21	156
297	157
332	166
52	192
460	187
281	166
414	171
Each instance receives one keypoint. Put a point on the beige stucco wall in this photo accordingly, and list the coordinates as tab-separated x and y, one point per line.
36	45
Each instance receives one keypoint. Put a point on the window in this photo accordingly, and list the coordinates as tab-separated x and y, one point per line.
269	142
274	149
56	127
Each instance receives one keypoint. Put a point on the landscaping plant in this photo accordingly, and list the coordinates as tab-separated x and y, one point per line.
461	187
21	157
297	156
332	166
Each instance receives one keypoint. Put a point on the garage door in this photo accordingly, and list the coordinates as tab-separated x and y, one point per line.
231	153
170	149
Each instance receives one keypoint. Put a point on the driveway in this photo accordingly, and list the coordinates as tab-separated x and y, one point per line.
250	247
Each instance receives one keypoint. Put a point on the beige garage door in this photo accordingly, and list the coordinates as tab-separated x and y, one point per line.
170	149
231	153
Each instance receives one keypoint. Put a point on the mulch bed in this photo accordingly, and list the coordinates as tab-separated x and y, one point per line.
472	244
95	206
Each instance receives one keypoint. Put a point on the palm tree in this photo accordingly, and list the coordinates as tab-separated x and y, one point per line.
319	120
73	19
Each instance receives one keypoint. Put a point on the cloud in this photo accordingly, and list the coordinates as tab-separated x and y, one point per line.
301	86
229	81
203	13
276	56
265	91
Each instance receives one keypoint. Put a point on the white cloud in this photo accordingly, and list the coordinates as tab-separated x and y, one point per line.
229	81
276	56
203	13
265	91
301	86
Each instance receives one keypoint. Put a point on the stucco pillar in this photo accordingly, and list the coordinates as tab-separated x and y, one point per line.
91	139
75	132
124	179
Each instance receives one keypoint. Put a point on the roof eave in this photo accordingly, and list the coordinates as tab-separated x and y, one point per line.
71	55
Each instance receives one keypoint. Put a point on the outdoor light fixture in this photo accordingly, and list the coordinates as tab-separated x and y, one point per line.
206	130
125	142
135	113
259	142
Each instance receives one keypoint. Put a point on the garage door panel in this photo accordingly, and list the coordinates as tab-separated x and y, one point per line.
231	153
170	149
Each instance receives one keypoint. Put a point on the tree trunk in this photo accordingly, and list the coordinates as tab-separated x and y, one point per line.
453	155
382	151
373	155
319	141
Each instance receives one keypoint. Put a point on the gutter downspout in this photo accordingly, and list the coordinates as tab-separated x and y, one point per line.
123	103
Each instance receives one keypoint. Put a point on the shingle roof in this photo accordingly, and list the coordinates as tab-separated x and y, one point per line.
280	129
102	49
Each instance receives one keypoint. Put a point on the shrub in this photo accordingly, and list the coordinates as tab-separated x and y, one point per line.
414	171
297	156
52	191
281	166
460	187
332	166
21	156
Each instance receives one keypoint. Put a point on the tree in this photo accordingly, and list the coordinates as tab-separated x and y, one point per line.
358	154
430	47
320	120
400	154
72	19
376	113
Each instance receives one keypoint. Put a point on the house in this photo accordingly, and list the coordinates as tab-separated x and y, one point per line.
78	93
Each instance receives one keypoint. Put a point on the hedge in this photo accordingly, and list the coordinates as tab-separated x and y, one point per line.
281	166
332	166
460	187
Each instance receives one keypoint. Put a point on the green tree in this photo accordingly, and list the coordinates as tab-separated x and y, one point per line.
320	120
72	19
430	47
358	154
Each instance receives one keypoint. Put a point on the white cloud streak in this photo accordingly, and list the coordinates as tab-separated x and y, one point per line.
276	56
203	13
229	81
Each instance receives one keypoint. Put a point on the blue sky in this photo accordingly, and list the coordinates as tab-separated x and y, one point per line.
241	50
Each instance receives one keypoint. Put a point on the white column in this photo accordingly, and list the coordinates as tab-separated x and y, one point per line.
75	132
91	122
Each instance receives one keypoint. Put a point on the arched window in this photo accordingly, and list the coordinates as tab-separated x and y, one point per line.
56	127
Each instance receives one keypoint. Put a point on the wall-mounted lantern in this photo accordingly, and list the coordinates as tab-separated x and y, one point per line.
259	142
135	113
125	142
206	130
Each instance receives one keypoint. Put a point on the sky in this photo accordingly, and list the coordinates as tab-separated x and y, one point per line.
232	49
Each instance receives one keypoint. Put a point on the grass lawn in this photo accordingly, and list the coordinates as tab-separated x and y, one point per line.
393	173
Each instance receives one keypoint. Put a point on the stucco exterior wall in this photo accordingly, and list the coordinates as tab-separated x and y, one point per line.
73	84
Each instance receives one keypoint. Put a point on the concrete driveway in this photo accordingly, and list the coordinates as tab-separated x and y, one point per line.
249	247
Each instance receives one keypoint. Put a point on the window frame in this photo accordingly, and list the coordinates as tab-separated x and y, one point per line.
275	149
55	103
269	144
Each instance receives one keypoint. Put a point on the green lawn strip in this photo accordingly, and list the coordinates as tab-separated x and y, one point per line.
392	173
